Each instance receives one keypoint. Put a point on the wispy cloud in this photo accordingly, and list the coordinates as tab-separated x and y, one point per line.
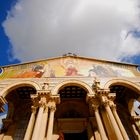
48	28
2	117
136	106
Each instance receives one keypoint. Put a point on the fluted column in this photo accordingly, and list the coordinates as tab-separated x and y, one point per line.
51	121
113	121
39	119
90	131
99	123
29	129
1	136
124	134
44	124
136	125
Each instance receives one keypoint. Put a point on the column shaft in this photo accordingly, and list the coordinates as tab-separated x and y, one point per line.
90	132
29	129
44	124
1	136
137	135
107	125
97	135
100	125
38	123
50	124
124	134
113	121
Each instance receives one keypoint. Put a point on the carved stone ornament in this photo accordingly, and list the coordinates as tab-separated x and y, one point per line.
112	96
104	100
135	118
52	105
55	98
33	108
112	105
45	86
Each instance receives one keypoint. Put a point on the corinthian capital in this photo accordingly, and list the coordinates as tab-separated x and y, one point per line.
104	100
94	103
95	107
112	105
33	109
112	96
52	106
55	98
42	101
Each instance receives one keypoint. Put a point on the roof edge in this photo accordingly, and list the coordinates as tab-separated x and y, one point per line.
81	57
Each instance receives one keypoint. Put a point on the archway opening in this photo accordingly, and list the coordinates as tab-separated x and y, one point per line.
72	113
76	136
125	98
19	111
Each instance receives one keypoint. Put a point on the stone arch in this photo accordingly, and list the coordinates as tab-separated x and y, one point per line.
128	84
17	101
9	88
123	82
125	97
81	84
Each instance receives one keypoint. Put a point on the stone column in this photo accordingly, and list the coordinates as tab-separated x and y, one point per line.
29	129
99	123
44	124
51	121
90	132
124	134
136	126
1	136
38	119
113	121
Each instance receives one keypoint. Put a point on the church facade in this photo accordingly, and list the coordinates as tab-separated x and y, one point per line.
70	98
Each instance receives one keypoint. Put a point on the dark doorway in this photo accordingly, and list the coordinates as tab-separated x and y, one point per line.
76	136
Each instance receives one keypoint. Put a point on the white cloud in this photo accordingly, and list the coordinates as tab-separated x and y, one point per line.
136	105
49	28
2	117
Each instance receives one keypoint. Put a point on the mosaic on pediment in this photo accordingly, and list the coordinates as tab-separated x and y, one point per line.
65	67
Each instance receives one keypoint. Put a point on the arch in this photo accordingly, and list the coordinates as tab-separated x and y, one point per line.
123	82
73	106
82	84
126	83
9	88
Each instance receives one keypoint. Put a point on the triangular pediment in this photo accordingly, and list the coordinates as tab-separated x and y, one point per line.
69	66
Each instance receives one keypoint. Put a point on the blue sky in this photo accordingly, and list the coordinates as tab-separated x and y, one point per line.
5	46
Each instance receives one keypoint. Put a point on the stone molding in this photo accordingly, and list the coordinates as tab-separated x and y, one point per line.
70	83
19	83
123	82
44	97
135	118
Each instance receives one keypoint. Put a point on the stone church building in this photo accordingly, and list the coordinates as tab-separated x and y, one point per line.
70	98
